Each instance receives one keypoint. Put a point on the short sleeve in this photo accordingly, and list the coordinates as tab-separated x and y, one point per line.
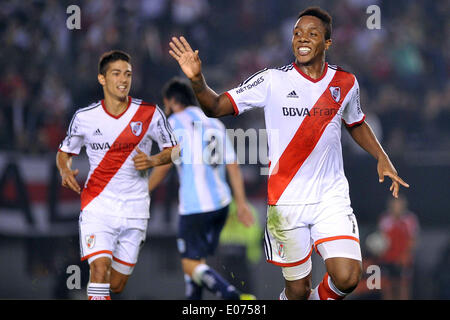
74	140
252	93
161	131
353	114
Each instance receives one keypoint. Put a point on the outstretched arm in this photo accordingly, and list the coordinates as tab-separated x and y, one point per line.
212	104
364	136
237	185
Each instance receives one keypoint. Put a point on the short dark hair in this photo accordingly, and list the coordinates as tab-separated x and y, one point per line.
179	90
109	57
322	15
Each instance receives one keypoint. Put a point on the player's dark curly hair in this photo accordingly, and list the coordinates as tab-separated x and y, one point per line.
323	15
180	90
109	57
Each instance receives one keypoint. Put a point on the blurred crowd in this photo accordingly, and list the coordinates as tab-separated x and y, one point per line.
48	71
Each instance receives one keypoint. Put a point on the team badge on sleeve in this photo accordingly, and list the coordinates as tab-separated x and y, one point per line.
90	241
335	93
136	128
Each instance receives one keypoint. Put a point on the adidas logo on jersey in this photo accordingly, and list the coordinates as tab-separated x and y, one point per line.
97	132
292	94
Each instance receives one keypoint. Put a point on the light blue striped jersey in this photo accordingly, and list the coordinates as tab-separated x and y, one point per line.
205	150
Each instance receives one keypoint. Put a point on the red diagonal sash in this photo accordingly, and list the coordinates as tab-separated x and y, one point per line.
116	155
307	136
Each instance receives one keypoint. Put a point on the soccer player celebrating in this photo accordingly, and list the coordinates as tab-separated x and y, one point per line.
117	132
204	195
305	104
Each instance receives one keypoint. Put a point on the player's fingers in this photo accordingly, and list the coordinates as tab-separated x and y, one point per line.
395	189
196	57
251	221
178	44
140	166
75	172
175	48
174	55
186	44
139	151
73	185
395	177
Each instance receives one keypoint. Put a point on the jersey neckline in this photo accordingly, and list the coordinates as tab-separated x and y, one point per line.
119	115
325	69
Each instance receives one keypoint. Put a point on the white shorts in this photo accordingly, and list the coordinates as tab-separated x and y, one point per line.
118	238
293	231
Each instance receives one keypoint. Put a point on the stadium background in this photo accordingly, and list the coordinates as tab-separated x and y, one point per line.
49	71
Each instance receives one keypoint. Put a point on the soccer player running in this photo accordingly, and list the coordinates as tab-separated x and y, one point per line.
305	104
117	132
204	195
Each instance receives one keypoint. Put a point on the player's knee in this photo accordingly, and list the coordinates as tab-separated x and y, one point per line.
189	265
298	291
347	280
117	286
99	272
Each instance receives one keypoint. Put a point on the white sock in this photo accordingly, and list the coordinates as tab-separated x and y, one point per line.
314	294
98	291
283	295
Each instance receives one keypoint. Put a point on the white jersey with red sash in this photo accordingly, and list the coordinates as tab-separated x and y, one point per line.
303	120
114	186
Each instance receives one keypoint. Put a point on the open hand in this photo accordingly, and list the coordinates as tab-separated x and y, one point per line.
188	59
245	215
385	168
69	181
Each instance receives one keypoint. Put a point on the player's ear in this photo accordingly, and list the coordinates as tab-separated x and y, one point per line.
101	79
328	43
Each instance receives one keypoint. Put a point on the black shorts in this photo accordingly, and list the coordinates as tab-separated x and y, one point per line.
198	234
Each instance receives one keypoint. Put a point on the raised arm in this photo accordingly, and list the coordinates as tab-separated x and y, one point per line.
64	163
364	136
212	104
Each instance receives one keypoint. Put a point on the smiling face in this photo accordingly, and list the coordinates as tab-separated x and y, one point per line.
308	40
116	81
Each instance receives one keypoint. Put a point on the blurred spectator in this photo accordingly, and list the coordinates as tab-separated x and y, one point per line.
400	228
402	67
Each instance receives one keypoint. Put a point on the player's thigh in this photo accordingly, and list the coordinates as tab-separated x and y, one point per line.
336	239
335	232
288	244
192	236
129	243
214	227
97	236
